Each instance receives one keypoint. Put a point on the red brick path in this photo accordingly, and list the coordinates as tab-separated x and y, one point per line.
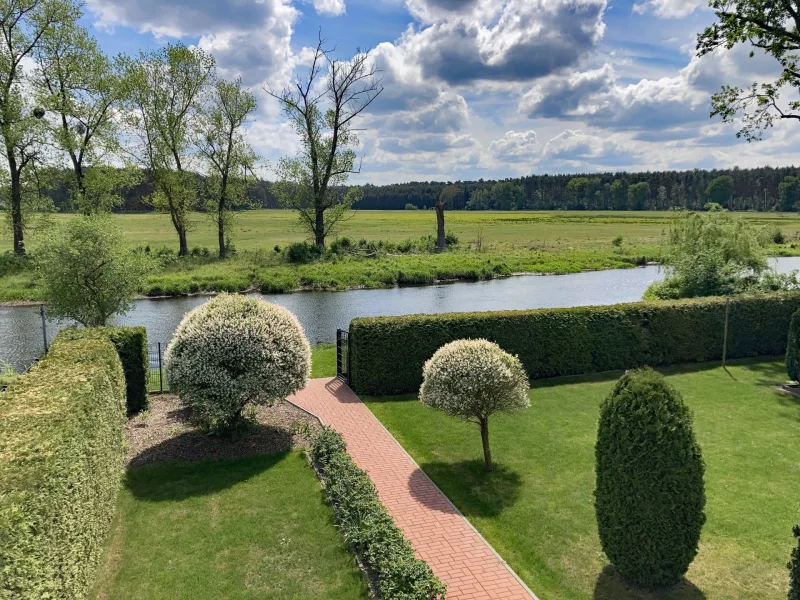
441	536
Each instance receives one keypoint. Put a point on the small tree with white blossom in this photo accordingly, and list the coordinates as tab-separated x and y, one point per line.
472	380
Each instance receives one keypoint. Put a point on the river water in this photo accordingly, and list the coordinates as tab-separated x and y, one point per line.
321	313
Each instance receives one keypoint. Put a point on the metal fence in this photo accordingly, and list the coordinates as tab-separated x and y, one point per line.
157	382
343	355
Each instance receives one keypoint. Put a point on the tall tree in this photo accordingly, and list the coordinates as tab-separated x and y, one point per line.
228	155
323	107
772	26
789	192
720	190
167	89
83	90
23	24
445	197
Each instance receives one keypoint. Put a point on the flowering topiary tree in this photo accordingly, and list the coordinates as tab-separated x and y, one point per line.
472	380
235	350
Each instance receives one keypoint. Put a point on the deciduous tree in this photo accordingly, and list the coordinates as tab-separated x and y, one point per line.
23	24
228	156
167	89
771	26
323	108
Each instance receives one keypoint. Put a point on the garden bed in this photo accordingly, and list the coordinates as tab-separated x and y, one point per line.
537	510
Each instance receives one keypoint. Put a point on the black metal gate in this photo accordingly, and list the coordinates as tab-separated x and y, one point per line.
342	355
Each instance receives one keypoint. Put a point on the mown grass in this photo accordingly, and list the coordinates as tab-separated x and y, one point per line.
241	529
491	244
536	508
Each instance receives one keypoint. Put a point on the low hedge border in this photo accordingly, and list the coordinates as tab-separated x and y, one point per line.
367	527
131	345
62	432
387	353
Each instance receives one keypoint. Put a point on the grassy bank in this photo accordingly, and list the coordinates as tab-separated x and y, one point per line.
537	509
240	529
491	244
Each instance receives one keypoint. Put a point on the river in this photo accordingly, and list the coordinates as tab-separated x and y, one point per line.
321	313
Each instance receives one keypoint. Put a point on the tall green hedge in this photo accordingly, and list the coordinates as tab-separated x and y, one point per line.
131	345
62	429
387	353
793	348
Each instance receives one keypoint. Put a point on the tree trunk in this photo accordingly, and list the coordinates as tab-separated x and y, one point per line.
221	233
440	241
319	228
184	247
487	454
16	207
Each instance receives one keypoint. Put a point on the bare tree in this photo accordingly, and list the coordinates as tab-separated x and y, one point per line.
447	196
323	107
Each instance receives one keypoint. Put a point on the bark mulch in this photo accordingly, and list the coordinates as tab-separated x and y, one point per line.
164	433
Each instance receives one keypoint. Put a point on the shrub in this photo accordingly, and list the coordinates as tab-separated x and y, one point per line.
62	430
793	348
301	253
650	495
368	528
235	350
794	567
410	206
472	380
387	353
131	346
86	272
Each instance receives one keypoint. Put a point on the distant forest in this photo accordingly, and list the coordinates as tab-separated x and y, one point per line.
761	189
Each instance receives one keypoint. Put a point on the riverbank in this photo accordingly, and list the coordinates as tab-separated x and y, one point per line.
253	271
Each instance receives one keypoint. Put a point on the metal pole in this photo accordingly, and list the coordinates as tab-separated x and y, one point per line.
725	341
44	326
160	370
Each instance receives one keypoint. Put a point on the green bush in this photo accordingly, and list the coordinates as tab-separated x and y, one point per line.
793	348
367	527
650	495
301	253
794	567
62	430
387	353
131	346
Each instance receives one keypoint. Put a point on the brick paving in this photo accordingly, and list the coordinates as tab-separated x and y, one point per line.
439	533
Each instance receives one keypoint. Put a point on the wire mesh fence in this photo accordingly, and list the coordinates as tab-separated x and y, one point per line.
157	382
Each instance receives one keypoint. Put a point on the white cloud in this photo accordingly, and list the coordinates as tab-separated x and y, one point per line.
514	146
670	8
330	8
250	38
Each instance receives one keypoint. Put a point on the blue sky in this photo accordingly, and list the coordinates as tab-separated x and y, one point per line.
482	88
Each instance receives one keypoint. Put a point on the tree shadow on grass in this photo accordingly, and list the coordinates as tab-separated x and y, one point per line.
176	481
476	492
611	586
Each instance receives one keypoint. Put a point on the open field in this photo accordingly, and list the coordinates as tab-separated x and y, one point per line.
247	528
491	244
537	509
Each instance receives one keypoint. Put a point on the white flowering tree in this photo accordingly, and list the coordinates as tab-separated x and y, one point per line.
233	351
472	380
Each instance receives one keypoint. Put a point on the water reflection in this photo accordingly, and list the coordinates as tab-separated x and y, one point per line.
321	313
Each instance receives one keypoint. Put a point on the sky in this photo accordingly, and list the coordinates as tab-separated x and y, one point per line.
482	89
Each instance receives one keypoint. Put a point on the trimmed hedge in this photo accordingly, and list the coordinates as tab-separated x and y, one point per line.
131	345
793	348
387	353
62	430
794	567
367	527
650	494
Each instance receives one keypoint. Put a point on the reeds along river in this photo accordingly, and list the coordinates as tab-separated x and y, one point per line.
321	313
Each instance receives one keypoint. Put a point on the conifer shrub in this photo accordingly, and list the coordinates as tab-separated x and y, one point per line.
650	496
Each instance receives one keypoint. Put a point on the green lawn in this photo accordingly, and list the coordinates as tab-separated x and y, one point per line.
537	511
541	242
253	528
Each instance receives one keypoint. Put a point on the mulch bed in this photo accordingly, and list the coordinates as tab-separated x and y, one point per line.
165	433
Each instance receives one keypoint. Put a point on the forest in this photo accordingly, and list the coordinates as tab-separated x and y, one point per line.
760	189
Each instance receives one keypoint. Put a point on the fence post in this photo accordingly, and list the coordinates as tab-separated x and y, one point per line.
44	327
160	371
